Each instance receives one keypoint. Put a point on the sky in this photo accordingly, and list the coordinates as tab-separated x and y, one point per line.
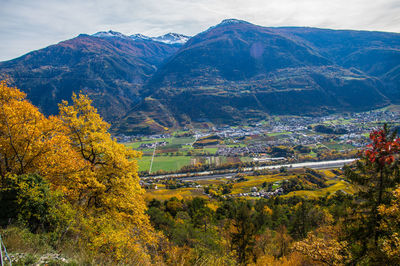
27	25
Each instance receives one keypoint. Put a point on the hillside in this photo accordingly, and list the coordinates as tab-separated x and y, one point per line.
237	71
110	68
232	73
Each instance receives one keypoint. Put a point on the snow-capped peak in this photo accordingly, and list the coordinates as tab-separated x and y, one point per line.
169	38
172	38
225	22
232	21
139	36
108	34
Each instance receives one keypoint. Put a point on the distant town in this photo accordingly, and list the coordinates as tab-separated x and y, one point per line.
349	129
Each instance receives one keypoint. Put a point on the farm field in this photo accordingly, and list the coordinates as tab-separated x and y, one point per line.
166	163
201	148
178	152
338	146
278	134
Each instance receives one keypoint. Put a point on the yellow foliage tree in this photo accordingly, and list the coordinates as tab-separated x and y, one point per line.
390	244
108	188
323	246
30	142
79	158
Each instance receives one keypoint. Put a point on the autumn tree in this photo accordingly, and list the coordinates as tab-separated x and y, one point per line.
30	142
323	246
107	189
87	169
374	177
390	225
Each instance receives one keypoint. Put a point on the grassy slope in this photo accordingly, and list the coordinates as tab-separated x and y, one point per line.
164	194
255	181
335	186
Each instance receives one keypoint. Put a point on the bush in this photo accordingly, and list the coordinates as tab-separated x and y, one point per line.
29	201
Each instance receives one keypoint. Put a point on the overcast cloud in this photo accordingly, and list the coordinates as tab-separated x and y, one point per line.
27	25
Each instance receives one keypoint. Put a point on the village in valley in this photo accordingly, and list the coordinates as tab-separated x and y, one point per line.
170	160
334	132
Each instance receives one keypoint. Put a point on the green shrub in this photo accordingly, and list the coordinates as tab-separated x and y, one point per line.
28	201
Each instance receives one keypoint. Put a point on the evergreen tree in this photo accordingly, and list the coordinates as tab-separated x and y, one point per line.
374	177
243	236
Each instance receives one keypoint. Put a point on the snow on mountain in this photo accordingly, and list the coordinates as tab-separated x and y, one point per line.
110	34
139	36
232	21
169	38
172	38
228	22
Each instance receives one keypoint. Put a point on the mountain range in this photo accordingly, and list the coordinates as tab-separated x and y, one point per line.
232	73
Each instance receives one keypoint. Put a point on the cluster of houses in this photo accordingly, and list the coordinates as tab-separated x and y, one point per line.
121	138
261	193
242	151
152	145
231	132
355	124
292	131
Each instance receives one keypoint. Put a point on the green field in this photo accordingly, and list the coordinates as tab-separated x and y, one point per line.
338	146
341	121
211	150
166	163
278	134
312	154
246	159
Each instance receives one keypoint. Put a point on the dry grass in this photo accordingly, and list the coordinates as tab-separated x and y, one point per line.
31	247
338	185
22	241
254	181
328	173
